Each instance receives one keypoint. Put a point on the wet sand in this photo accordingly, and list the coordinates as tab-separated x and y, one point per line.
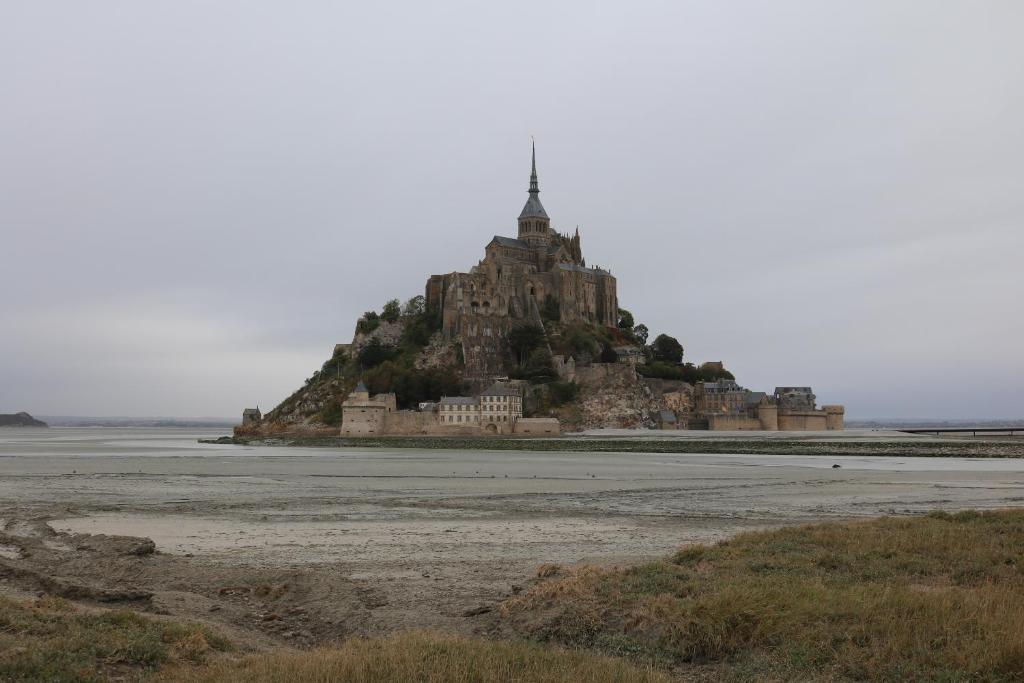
373	540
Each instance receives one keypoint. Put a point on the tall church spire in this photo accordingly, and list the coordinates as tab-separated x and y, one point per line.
533	207
534	189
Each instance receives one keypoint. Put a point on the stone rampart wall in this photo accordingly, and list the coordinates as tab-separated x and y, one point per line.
537	425
802	421
599	374
724	422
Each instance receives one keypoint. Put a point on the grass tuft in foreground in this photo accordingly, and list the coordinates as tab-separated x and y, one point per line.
50	640
932	598
425	657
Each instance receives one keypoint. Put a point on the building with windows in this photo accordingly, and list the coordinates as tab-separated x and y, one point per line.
722	397
496	410
725	405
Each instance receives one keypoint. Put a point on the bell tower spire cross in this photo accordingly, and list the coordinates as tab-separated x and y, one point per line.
534	189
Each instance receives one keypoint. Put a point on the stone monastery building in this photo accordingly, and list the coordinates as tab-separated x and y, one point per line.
514	280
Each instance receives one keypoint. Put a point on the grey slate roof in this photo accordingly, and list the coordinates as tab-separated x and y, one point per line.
666	416
361	387
754	397
458	401
499	389
583	269
510	242
533	208
723	385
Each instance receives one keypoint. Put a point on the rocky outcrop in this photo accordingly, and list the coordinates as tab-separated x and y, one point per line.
438	353
21	420
612	395
389	334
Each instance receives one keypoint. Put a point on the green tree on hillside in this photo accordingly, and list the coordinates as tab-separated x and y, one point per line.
375	352
415	306
524	339
608	355
540	367
668	349
368	323
626	321
392	311
550	311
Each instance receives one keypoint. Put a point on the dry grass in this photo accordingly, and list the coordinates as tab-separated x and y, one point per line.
50	640
423	658
933	598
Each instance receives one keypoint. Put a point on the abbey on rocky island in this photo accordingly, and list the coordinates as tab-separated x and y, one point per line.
517	278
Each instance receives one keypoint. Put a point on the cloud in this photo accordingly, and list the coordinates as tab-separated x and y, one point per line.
197	201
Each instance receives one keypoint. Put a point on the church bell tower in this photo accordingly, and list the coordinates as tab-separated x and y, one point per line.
534	224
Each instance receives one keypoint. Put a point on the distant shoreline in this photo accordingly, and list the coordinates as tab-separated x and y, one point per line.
909	447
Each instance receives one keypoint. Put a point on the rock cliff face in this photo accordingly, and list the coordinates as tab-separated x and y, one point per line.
388	333
613	396
20	420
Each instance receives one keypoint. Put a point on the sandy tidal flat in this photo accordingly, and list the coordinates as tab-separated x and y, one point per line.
404	536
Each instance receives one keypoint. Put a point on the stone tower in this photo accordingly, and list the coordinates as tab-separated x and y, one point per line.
534	224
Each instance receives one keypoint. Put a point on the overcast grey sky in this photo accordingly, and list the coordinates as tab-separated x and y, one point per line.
198	198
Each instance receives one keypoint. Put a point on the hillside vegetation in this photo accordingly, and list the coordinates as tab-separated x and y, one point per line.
427	657
400	350
934	598
49	639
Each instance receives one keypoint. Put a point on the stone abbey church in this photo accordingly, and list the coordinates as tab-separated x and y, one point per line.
517	277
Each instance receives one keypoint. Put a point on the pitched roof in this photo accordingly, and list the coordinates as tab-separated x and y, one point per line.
458	401
533	208
499	389
583	269
510	242
361	387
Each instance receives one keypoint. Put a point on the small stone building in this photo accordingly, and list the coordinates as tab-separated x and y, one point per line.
666	419
363	415
251	417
